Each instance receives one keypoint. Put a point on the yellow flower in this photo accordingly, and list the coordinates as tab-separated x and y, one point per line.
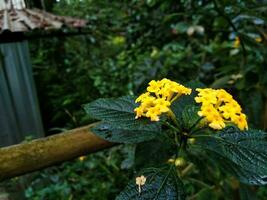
241	121
177	88
258	39
81	158
217	122
153	113
143	97
139	111
222	95
206	96
158	98
218	107
236	42
153	86
166	92
162	105
229	110
207	110
140	181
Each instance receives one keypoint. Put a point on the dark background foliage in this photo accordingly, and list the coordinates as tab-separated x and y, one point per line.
131	42
127	44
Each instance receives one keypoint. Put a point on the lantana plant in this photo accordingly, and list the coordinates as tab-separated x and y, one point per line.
176	128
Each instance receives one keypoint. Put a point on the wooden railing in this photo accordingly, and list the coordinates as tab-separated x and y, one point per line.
41	153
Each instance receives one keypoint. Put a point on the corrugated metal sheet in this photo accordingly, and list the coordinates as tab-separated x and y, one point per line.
9	4
19	110
14	17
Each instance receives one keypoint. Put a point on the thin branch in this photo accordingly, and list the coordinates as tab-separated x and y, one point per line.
187	169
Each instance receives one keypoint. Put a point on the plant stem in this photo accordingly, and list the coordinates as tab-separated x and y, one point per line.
172	127
176	130
187	169
201	183
177	96
198	130
173	117
196	123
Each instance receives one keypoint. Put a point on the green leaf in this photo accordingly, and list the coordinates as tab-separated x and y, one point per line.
119	123
147	153
178	106
220	82
190	117
245	176
183	102
212	159
245	152
161	184
254	104
127	134
118	111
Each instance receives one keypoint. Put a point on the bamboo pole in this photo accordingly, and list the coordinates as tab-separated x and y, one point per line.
41	153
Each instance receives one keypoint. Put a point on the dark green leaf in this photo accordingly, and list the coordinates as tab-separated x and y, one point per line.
254	104
190	117
244	175
246	152
220	82
161	184
183	102
147	153
127	134
119	123
118	111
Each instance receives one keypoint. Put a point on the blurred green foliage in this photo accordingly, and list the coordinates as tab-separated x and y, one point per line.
97	177
93	177
130	42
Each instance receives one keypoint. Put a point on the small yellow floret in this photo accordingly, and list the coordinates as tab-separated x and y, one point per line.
158	98
143	97
241	121
218	107
154	86
153	113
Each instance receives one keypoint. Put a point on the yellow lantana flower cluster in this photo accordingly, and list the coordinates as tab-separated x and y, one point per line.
158	98
218	107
